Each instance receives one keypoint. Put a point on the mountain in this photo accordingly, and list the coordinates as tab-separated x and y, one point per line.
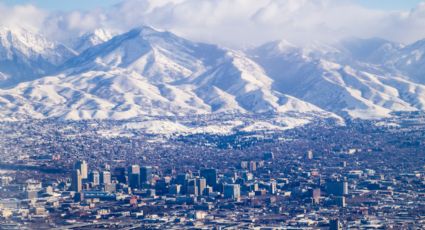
26	56
151	73
90	39
159	56
343	80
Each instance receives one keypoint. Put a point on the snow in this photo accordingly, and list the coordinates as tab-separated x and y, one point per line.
146	72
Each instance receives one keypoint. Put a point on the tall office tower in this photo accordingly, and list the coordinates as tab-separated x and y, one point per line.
76	181
192	188
94	177
32	188
134	180
181	179
273	187
252	166
316	193
105	177
210	176
145	174
83	167
244	164
337	187
134	169
119	173
232	191
309	155
202	184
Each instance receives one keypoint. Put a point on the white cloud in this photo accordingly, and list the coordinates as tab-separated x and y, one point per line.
236	22
26	16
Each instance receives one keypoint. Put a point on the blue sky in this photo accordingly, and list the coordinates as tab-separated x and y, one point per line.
89	4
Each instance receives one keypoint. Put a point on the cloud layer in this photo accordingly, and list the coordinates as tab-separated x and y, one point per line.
236	23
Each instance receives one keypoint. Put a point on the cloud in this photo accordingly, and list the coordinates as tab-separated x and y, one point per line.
237	23
26	16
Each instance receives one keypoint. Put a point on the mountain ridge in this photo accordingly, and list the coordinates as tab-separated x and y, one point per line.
146	72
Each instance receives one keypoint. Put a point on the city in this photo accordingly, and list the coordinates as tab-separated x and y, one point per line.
363	175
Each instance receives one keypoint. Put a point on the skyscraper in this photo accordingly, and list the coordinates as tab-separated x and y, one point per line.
94	177
337	187
105	177
201	184
145	174
134	176
232	191
210	175
309	155
119	173
76	181
134	169
134	180
252	166
83	167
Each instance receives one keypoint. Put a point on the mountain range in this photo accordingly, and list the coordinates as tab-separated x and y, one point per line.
148	72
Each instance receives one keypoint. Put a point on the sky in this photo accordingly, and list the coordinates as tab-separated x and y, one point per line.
67	5
233	23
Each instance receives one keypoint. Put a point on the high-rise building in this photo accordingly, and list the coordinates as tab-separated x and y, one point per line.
273	187
316	195
202	184
244	164
232	191
83	167
134	180
119	174
105	177
337	187
76	181
145	174
309	155
94	178
252	166
192	188
134	169
210	176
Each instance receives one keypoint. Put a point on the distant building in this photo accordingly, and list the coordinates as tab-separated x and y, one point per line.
94	178
316	193
119	174
202	184
252	166
83	167
210	176
244	165
134	180
273	187
134	169
232	191
76	181
309	155
145	174
105	177
337	187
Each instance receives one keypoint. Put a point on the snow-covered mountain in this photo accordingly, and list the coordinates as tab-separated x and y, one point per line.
348	80
88	40
26	56
146	72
